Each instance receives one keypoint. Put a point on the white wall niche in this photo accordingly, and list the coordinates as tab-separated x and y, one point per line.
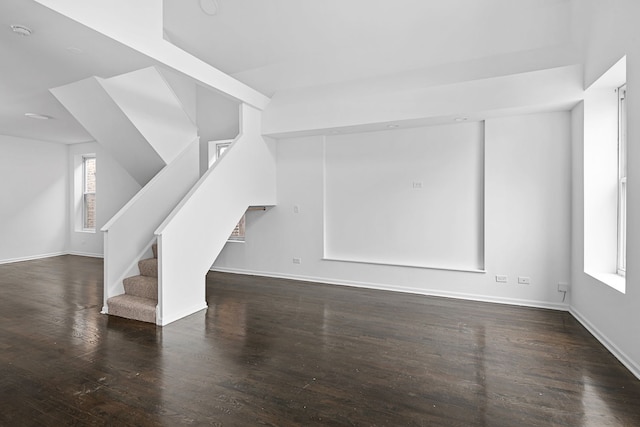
406	197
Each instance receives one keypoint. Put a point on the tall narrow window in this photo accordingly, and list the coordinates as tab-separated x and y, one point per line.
622	180
89	192
605	177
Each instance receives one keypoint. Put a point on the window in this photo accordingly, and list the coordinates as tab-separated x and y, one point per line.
238	232
89	192
221	148
622	180
237	235
605	177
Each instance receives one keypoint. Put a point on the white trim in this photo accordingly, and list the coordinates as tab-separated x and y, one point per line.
613	280
632	366
51	255
184	313
382	287
398	264
87	254
31	257
86	230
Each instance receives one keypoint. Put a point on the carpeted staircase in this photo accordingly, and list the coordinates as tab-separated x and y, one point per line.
140	296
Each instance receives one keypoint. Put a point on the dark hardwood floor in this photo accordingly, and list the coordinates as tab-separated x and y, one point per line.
285	353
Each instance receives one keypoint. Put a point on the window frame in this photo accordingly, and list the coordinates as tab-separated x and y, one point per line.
238	233
86	193
622	181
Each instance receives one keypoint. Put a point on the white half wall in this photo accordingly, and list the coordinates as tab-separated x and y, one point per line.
527	209
114	188
33	199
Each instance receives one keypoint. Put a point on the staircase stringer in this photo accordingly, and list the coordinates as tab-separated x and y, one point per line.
195	232
126	235
150	103
92	106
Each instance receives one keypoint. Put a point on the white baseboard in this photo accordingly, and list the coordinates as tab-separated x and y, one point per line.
87	254
51	255
619	354
381	287
31	257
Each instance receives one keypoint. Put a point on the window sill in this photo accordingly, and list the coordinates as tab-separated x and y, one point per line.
235	241
612	280
82	230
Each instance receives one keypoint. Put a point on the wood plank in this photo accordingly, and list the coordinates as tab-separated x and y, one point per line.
287	353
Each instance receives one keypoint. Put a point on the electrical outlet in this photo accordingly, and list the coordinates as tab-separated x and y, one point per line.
524	280
501	278
563	287
417	185
296	209
297	260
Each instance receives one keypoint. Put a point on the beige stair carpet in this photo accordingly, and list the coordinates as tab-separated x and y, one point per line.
140	296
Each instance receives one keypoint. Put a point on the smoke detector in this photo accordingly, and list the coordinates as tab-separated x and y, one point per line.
209	7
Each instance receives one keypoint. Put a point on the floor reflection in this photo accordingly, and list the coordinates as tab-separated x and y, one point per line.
272	352
595	410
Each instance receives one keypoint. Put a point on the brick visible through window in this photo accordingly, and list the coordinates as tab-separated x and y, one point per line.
89	192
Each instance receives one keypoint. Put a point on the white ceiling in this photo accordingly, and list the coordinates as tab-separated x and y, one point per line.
279	44
32	65
276	45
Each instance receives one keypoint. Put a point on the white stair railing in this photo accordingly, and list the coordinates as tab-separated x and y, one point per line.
129	234
193	235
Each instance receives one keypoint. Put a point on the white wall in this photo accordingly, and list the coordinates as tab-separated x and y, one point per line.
114	188
612	316
218	117
33	198
421	190
154	109
527	208
407	99
184	88
197	229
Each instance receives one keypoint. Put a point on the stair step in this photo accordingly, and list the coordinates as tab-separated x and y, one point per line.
133	307
148	267
154	248
141	286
